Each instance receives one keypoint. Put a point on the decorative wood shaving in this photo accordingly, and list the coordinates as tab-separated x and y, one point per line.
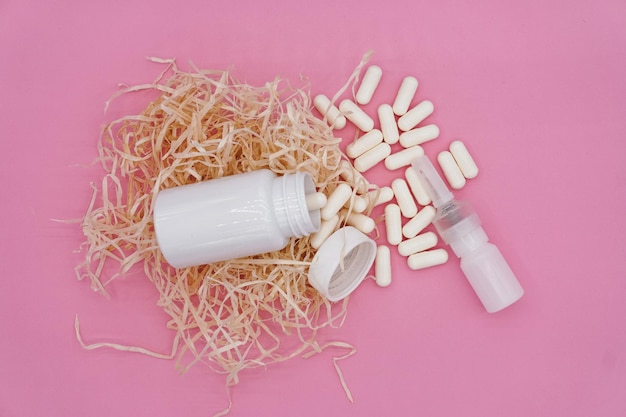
232	315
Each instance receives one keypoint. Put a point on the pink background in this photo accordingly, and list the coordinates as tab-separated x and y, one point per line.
537	89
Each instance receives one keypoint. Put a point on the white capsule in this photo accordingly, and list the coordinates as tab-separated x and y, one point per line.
382	267
403	158
388	124
419	135
451	170
358	203
336	200
419	222
427	258
393	224
315	201
404	198
418	190
372	157
406	92
352	176
327	227
363	223
463	159
415	116
356	115
417	244
368	85
364	143
330	111
380	196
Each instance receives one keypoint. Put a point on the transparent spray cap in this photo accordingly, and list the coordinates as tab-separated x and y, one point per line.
432	182
459	226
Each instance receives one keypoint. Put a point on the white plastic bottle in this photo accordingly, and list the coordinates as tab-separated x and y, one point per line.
232	217
458	225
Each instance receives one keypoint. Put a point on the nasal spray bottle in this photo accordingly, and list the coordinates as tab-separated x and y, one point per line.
459	226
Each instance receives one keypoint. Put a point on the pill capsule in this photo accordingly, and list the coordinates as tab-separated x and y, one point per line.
315	201
352	176
418	190
406	92
463	159
388	124
330	111
336	200
415	116
380	196
427	258
393	224
382	267
451	170
419	222
372	157
404	198
357	203
419	135
372	77
360	221
403	158
364	143
417	244
327	227
356	115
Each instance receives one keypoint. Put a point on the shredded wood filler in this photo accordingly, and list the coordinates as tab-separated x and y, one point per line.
231	315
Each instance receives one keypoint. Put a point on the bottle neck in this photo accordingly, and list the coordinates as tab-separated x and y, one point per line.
469	242
289	198
460	227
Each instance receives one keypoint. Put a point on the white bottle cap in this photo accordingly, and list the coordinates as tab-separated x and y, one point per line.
341	263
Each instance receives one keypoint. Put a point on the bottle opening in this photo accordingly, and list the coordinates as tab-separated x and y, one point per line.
314	215
293	216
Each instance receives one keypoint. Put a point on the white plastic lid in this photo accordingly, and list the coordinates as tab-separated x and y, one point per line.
341	263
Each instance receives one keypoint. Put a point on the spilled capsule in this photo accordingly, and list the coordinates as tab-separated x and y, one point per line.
417	244
382	266
315	201
427	259
361	222
330	111
404	198
370	81
380	196
393	224
451	170
419	222
364	143
327	227
419	135
463	159
418	190
356	115
388	124
372	157
336	200
405	95
416	115
403	158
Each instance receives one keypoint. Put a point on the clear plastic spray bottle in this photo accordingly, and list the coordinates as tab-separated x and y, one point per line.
458	225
